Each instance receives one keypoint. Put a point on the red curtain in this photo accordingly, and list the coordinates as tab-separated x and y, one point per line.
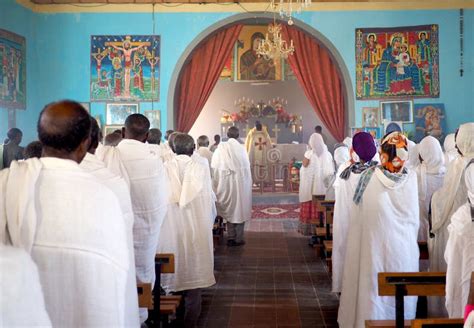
201	75
319	78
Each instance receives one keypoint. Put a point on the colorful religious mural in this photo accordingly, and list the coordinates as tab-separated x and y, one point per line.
250	66
430	120
12	70
397	62
125	68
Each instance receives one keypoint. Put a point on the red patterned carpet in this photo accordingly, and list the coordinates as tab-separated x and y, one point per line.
275	211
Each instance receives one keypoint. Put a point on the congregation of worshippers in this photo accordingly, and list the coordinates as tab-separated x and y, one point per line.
83	217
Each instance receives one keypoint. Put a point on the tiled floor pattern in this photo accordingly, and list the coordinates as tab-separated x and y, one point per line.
275	280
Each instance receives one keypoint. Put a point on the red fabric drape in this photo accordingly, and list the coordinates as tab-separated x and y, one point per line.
201	75
319	78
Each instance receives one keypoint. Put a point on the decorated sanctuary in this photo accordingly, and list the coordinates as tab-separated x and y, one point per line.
244	163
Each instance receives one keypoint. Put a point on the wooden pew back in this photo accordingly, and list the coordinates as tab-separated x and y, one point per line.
166	261
145	299
415	283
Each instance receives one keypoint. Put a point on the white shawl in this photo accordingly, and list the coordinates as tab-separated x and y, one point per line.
450	151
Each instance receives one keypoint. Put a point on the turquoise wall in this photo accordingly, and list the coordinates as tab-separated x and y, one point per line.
59	52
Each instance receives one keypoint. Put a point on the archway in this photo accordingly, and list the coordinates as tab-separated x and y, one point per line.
260	18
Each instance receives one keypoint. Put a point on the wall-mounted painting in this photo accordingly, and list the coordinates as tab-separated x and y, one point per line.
430	120
12	70
125	68
108	129
228	70
251	67
376	132
118	113
401	111
397	62
154	116
370	117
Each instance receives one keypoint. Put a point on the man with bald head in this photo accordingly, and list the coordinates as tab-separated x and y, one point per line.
149	193
71	224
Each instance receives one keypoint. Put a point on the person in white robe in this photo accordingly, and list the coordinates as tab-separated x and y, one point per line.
382	236
187	228
430	174
148	190
154	141
232	184
341	159
449	198
413	158
315	175
119	186
450	151
203	148
345	184
71	224
459	254
22	301
257	144
167	152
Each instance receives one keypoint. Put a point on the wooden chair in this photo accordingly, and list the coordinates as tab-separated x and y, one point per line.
401	284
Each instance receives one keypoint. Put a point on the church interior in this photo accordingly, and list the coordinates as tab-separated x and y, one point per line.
252	163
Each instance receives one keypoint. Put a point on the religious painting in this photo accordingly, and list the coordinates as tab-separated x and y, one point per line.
118	113
12	70
375	132
154	118
125	68
430	120
401	111
397	62
355	130
392	126
108	129
370	117
228	70
251	67
87	106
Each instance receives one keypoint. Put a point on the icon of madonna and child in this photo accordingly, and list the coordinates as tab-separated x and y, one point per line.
404	68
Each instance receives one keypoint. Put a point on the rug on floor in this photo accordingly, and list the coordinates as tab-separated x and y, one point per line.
276	211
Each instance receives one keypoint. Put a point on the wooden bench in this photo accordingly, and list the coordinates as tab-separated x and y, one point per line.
401	284
327	244
385	323
439	322
317	239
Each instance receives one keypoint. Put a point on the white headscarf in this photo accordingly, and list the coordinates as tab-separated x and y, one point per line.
413	160
465	140
341	155
348	142
433	161
450	151
316	143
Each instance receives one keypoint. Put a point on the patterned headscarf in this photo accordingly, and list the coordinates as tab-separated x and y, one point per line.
394	152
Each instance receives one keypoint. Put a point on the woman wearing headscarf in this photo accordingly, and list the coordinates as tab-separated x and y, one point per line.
444	203
317	170
342	160
382	236
363	149
450	151
430	174
459	253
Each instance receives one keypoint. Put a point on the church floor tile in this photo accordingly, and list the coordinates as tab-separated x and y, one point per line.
275	280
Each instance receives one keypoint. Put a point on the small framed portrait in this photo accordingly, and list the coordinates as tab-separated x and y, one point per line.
355	130
370	117
108	129
154	117
397	111
118	112
392	126
87	106
376	132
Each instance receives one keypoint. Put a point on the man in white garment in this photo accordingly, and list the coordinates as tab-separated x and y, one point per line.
232	183
71	224
344	208
149	192
22	300
203	148
382	237
119	186
258	143
459	253
187	228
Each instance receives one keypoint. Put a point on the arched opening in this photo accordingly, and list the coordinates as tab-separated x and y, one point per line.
260	18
